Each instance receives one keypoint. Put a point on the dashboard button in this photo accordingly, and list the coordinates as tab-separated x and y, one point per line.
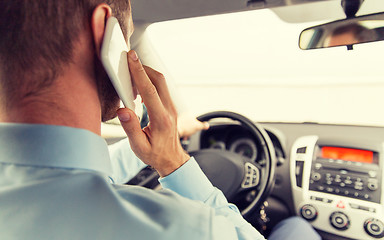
374	228
358	188
348	181
372	210
318	166
372	173
372	185
308	212
316	176
320	188
354	206
339	221
340	204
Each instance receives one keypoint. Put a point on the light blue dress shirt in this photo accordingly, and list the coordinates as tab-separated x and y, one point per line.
55	183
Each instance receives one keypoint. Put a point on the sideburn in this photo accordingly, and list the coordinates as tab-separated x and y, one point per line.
109	100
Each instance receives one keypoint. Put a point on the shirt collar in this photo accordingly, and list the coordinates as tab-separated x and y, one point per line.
53	146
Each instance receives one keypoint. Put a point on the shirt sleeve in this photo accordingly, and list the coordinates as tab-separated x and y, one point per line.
125	164
190	181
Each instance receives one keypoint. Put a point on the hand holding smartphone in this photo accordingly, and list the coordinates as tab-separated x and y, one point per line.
114	51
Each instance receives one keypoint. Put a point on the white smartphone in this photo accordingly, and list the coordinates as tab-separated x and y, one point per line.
114	52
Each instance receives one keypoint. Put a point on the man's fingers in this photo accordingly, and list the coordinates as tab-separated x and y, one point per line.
159	81
205	126
132	128
145	87
187	125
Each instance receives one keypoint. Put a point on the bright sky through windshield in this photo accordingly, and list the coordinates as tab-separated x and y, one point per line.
250	63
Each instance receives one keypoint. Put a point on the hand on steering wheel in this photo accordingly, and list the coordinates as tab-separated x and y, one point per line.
234	174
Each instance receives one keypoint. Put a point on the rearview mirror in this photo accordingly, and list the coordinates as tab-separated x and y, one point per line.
346	32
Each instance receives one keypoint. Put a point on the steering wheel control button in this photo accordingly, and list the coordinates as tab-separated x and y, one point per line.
374	228
252	176
308	212
339	221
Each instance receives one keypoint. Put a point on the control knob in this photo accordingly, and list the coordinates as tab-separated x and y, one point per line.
308	212
316	176
372	184
339	221
374	228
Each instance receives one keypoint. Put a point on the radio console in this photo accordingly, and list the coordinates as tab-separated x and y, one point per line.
337	188
346	172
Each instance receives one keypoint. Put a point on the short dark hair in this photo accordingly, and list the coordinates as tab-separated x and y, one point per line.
37	38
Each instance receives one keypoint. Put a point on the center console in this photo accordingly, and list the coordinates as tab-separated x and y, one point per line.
337	186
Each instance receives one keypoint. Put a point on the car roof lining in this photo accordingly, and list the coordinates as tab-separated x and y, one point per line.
151	11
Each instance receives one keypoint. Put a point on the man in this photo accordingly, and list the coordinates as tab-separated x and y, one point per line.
349	35
55	171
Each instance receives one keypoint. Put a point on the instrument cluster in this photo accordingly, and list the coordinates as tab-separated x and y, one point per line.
237	139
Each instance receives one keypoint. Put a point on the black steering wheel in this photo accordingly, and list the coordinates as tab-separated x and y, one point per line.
234	174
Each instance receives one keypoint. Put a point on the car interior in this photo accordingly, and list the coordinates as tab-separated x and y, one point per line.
292	90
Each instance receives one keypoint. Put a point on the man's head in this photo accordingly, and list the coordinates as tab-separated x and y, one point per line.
37	42
349	35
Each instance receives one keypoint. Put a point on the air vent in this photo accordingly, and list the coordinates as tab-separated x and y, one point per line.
301	150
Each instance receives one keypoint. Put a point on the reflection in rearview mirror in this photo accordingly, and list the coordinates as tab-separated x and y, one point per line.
347	32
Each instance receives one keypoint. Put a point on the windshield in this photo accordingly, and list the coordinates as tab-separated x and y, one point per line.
250	63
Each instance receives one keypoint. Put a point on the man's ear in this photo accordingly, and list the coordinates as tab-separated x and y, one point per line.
98	22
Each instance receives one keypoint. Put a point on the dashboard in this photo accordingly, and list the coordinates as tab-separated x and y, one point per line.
330	175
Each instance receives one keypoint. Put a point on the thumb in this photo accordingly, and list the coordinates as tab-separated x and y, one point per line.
131	126
205	125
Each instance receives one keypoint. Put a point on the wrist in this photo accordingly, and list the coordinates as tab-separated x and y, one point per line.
166	169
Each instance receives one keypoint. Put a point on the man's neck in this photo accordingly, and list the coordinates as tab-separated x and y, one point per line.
71	101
